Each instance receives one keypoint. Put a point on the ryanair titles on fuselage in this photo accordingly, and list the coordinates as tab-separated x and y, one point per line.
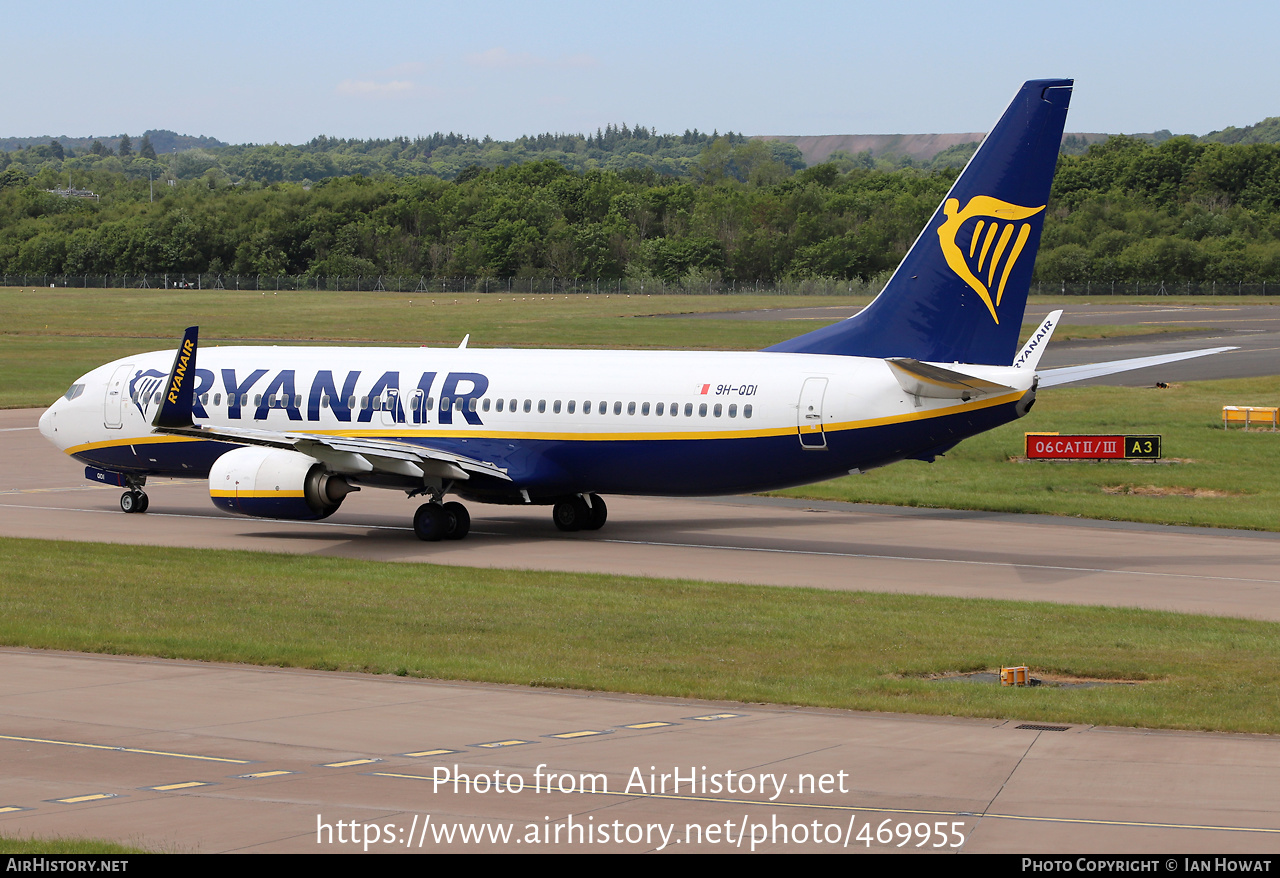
337	393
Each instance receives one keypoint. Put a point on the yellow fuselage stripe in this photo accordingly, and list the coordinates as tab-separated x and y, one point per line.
410	432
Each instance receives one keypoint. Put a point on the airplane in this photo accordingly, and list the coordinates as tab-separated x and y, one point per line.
289	432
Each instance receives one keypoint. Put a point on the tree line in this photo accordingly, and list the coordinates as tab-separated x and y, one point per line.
1125	210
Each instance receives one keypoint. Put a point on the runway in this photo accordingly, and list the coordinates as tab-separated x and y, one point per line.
1255	329
763	541
190	756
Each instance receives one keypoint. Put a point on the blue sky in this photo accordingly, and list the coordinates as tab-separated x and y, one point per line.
287	71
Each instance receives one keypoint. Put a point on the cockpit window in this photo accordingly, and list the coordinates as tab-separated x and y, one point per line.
73	391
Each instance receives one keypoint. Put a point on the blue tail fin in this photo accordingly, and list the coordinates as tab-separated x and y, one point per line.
959	295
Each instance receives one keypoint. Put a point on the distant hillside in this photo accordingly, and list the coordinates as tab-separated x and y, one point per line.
162	140
1266	131
920	148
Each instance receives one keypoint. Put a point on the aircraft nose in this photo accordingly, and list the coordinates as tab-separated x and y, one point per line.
48	423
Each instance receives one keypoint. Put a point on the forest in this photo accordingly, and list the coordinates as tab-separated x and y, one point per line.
735	209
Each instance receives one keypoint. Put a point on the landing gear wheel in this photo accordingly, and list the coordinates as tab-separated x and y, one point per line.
598	513
461	520
571	514
133	501
432	522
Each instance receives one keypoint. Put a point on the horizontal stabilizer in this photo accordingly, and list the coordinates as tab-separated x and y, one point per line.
935	382
1067	374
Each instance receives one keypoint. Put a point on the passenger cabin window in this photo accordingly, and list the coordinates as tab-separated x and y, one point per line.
658	411
555	407
486	403
746	411
688	410
500	402
542	406
702	410
631	408
528	405
617	408
572	404
733	410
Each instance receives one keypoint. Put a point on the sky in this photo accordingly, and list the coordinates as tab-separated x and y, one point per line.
284	72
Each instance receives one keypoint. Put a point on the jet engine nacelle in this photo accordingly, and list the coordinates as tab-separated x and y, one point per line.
274	483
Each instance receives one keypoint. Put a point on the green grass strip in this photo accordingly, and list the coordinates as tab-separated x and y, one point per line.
1210	477
64	846
660	637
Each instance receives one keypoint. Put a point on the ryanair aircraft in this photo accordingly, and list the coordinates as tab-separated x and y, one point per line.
289	432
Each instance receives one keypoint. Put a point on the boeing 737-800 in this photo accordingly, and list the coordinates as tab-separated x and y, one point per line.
289	432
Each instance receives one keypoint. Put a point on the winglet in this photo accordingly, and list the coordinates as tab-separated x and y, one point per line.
1029	356
175	405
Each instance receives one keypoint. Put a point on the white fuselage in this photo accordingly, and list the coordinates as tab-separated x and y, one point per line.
571	420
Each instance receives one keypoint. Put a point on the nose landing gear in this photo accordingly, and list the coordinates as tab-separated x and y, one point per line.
134	500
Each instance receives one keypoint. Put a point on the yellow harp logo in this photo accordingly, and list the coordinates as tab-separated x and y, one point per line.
986	251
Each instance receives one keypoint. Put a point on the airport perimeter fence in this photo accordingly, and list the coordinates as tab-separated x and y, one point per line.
580	286
446	285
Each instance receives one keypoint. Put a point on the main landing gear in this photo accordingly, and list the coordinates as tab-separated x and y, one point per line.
580	512
441	521
437	521
134	500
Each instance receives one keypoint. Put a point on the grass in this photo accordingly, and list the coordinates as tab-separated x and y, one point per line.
662	637
1234	472
61	845
50	337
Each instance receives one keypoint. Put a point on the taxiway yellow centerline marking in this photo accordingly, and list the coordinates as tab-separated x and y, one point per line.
181	786
260	774
88	746
349	763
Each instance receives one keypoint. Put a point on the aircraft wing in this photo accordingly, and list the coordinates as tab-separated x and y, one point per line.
342	454
352	455
1067	374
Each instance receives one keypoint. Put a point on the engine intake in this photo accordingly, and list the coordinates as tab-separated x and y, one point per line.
274	483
